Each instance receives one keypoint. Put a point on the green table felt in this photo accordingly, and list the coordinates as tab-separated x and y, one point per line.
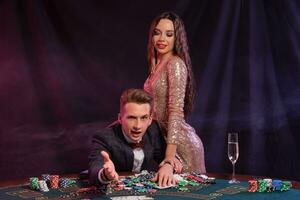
219	191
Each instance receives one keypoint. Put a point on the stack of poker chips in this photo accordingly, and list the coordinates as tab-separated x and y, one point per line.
46	178
63	182
66	182
37	184
268	185
285	185
43	186
34	183
53	181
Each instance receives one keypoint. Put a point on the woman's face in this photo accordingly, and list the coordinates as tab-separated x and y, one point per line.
164	37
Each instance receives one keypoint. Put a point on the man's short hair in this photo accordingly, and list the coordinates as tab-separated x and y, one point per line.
138	96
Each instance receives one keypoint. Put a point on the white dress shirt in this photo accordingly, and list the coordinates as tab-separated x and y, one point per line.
138	156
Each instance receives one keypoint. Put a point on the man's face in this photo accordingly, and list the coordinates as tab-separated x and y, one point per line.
135	119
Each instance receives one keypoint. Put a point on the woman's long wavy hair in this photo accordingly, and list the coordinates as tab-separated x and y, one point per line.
180	49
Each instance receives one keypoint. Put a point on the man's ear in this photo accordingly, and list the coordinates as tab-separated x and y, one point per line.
119	118
150	120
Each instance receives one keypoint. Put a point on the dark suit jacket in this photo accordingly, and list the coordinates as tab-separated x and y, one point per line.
112	141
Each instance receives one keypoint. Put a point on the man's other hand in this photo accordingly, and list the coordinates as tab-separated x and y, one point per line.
164	176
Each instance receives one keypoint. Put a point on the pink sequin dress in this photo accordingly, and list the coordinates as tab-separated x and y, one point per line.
167	85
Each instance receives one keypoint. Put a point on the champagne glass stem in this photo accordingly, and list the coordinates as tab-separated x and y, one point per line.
233	171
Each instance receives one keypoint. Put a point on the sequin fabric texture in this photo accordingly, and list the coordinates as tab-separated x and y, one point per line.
167	85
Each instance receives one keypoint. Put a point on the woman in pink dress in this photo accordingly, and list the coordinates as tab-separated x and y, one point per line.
171	83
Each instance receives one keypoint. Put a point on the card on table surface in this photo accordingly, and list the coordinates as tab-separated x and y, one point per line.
26	194
232	190
132	198
163	187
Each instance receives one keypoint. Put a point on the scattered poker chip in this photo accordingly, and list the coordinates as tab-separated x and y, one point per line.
178	177
142	190
183	183
130	184
203	176
195	178
183	189
200	178
138	187
193	183
149	184
210	180
139	184
125	181
152	190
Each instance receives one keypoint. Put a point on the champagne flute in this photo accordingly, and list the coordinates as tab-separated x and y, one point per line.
233	153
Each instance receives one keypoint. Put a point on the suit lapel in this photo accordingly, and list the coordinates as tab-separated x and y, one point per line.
147	150
128	155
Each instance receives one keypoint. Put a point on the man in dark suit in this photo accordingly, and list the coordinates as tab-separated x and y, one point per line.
133	143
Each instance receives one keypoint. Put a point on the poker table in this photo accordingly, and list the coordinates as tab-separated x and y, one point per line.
221	190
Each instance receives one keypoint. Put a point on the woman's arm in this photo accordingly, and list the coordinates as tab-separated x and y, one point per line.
177	78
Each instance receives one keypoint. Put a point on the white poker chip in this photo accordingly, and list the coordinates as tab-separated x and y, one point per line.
178	177
204	176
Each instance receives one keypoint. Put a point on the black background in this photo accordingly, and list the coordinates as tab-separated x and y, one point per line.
64	64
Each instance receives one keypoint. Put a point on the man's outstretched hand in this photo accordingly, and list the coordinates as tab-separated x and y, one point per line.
109	167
